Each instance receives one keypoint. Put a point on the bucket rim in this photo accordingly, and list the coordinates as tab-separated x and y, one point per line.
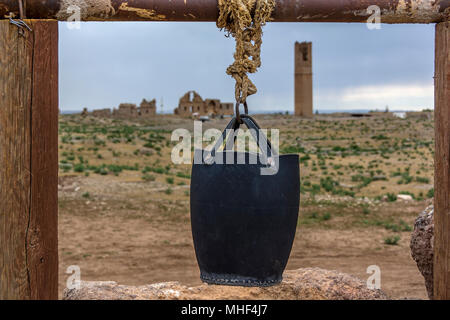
286	155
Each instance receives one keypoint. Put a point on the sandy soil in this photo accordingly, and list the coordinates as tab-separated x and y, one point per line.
148	239
124	205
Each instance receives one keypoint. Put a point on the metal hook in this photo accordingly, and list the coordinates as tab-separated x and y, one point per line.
19	23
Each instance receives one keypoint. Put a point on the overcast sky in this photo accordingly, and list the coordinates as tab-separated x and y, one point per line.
103	64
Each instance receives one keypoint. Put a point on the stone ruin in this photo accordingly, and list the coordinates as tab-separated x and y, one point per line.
102	113
146	109
419	115
192	104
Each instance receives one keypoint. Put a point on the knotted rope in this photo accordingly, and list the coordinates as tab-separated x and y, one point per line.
244	19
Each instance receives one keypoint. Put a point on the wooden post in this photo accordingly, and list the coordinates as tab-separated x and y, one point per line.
442	164
29	161
393	11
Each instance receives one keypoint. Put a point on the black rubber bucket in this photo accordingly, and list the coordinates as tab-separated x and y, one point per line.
243	222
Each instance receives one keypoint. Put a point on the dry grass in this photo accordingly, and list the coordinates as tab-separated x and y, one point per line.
124	207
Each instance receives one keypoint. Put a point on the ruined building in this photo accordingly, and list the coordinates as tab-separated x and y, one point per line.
147	108
128	111
192	104
303	79
102	113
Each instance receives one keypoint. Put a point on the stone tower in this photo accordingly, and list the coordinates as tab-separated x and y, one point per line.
303	79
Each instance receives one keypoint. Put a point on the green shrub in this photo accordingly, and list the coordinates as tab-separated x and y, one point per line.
422	180
148	177
392	227
392	240
404	226
391	197
380	137
101	170
183	175
158	170
304	158
326	216
292	149
328	184
116	169
66	167
79	167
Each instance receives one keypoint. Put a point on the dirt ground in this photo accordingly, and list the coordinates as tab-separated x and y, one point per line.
124	206
111	236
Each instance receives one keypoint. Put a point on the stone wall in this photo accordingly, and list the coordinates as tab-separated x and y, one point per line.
227	108
102	113
424	115
125	111
146	109
191	103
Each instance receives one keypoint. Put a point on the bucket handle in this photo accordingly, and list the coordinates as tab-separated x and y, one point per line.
260	138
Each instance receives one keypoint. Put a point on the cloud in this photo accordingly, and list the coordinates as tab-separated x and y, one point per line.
396	96
106	63
384	92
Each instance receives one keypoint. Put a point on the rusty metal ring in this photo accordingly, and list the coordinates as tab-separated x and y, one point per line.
238	115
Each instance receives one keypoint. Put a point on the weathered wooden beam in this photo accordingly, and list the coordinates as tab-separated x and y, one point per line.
441	271
392	11
29	161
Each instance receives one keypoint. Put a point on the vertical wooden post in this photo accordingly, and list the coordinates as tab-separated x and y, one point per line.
29	161
442	164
